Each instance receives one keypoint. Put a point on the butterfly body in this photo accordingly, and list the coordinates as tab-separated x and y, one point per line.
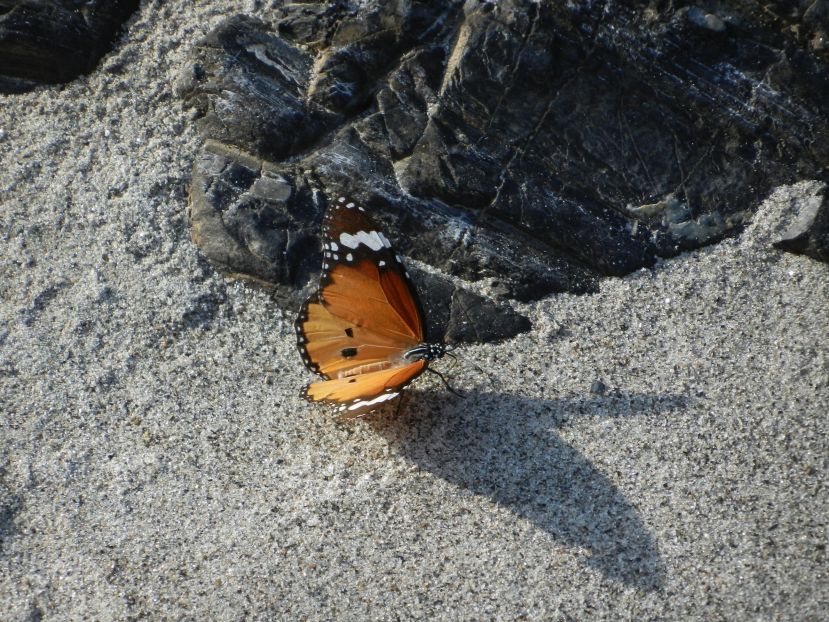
427	351
363	331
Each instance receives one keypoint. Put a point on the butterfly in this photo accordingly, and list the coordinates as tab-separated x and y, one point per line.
363	330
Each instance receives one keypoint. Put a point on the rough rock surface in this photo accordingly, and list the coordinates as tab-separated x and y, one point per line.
238	197
51	41
535	147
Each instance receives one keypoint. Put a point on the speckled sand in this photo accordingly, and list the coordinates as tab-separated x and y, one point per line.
157	462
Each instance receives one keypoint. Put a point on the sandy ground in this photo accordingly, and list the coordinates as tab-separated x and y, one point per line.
156	460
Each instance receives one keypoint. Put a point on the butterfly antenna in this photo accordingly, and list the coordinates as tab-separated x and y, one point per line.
446	384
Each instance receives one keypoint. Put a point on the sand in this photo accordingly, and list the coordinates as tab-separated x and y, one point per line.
653	451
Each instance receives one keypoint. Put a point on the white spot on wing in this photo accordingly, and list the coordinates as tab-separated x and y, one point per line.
334	246
346	239
383	397
349	257
372	240
341	200
384	240
381	263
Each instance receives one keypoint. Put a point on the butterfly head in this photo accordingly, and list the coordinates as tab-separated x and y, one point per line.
427	351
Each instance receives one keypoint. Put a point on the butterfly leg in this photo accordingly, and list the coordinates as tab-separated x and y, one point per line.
400	401
446	384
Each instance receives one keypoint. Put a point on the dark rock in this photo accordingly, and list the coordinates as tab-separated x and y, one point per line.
250	90
239	197
533	146
254	221
598	387
456	315
53	41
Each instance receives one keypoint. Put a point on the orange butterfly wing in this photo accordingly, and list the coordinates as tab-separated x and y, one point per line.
367	295
333	346
357	395
366	316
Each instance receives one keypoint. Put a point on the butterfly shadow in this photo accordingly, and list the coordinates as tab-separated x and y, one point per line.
506	448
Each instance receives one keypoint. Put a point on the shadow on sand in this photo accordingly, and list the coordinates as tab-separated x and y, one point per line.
506	448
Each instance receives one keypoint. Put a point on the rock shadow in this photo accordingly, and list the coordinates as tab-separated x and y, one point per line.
505	447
